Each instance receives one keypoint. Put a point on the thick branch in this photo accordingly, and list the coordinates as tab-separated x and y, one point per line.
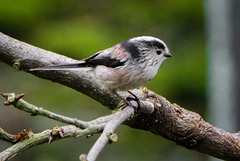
171	121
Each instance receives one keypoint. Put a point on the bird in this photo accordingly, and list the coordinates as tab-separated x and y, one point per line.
124	66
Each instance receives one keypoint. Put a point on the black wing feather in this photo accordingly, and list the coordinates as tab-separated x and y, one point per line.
104	59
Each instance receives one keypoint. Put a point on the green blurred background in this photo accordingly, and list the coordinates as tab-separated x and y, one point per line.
78	29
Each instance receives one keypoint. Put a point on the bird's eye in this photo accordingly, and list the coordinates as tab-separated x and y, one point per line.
159	52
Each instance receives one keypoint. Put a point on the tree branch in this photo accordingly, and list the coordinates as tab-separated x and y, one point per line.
34	110
6	136
169	120
108	132
44	137
106	124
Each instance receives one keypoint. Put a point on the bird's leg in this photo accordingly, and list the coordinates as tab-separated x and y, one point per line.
115	93
135	99
128	99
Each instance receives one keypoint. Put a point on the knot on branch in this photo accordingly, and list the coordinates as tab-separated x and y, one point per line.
189	142
112	137
56	132
83	157
17	63
11	98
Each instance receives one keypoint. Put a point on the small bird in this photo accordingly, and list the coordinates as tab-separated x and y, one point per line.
127	65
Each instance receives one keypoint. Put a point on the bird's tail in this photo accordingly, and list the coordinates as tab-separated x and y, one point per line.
62	67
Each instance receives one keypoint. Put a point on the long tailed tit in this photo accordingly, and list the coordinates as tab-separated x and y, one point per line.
127	65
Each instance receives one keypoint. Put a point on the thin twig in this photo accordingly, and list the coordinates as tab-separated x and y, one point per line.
107	124
40	138
17	101
20	104
6	136
109	128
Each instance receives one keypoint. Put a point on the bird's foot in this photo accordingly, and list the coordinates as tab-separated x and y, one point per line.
128	100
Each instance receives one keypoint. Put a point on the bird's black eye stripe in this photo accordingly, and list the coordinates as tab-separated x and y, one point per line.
159	52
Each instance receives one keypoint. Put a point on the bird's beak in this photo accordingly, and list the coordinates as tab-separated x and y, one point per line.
168	55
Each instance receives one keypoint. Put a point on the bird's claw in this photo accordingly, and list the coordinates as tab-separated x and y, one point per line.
128	100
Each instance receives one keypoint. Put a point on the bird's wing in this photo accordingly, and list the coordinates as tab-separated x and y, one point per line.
111	57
